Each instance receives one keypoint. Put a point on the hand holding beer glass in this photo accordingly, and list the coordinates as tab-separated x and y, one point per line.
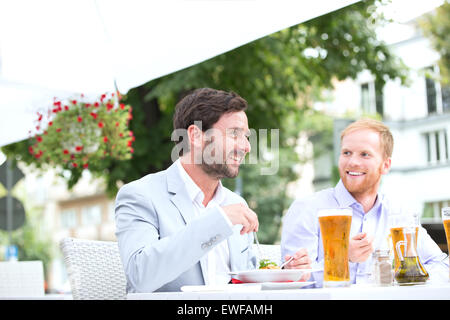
446	222
335	227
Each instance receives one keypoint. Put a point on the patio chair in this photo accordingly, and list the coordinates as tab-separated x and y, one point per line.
94	268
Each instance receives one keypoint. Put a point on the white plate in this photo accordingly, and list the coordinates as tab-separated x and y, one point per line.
270	275
248	287
225	287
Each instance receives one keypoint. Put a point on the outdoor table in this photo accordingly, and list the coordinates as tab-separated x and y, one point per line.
429	291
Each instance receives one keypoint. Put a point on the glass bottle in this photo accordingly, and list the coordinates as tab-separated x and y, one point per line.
411	271
382	268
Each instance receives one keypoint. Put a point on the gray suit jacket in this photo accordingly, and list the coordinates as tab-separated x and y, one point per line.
162	244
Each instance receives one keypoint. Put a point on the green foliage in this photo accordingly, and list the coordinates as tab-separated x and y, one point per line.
436	27
280	76
77	135
31	243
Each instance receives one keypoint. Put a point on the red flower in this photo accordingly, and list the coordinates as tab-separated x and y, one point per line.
79	148
39	138
87	105
30	149
74	101
58	130
121	134
109	106
102	97
101	125
129	143
94	115
74	165
122	106
80	119
66	108
96	104
85	165
105	139
40	117
50	123
131	150
65	151
117	124
130	133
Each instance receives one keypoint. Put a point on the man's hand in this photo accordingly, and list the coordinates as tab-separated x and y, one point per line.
301	261
241	214
360	247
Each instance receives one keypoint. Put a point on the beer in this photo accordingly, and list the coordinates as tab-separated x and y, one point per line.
446	222
335	232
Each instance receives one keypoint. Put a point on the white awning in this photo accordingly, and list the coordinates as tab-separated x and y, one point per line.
61	48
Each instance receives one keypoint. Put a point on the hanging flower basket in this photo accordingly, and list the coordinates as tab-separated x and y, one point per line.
77	134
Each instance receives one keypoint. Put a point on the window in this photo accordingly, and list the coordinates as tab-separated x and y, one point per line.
371	99
431	95
438	94
432	210
437	146
68	219
91	215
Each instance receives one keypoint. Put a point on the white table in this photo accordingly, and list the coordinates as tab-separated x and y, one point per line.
39	297
355	292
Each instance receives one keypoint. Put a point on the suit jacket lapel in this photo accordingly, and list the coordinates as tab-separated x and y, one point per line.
183	203
180	196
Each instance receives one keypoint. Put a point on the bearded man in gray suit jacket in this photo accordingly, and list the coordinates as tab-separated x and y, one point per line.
181	226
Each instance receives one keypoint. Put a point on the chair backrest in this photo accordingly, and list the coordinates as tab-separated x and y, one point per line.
269	251
94	268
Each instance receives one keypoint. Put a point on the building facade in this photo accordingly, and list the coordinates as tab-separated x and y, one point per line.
419	117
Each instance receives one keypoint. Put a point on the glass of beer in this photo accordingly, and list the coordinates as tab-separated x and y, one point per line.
396	223
335	227
446	222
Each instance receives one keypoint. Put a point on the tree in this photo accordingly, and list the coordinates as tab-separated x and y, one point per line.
280	76
436	26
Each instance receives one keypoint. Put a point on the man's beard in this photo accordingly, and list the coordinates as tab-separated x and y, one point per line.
222	169
218	171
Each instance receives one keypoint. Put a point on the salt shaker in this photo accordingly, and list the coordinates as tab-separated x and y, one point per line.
382	268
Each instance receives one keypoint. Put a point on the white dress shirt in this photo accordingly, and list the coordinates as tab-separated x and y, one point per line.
218	258
301	230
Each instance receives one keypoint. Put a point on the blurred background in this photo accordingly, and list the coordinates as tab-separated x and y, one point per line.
383	59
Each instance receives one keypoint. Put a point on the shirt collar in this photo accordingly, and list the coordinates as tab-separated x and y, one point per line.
345	199
194	191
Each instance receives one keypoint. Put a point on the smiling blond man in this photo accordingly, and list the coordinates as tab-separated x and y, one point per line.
365	156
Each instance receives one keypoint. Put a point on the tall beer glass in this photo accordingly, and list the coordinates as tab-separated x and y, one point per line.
446	222
335	227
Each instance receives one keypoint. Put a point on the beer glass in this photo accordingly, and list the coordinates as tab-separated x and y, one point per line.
396	224
446	222
335	227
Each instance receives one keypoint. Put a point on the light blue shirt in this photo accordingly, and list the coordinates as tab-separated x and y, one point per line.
301	230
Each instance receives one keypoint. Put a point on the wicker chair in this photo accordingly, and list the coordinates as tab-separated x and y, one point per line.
94	268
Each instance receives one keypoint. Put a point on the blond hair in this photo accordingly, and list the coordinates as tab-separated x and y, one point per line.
386	139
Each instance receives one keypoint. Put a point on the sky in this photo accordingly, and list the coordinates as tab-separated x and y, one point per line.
405	10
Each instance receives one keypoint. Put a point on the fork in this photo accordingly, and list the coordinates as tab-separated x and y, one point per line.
257	245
